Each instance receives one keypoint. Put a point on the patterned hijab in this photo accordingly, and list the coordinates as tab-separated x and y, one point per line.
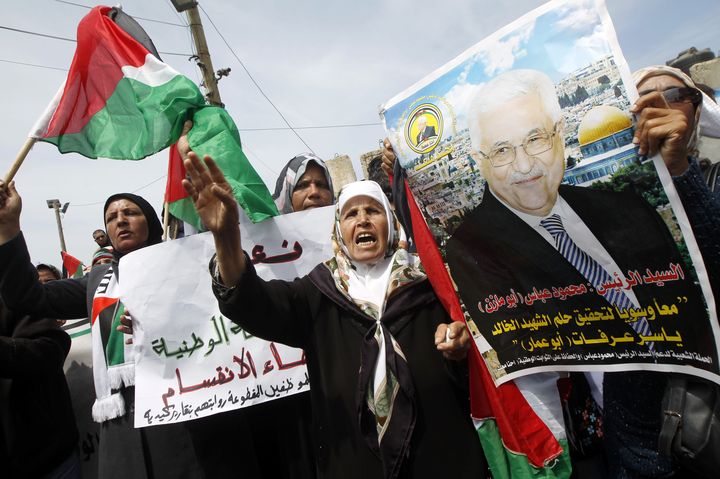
289	177
386	395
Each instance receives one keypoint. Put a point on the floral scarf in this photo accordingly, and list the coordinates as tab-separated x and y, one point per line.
386	395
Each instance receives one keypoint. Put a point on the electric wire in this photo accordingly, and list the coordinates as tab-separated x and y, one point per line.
66	39
290	127
318	127
33	65
246	149
278	128
133	191
135	17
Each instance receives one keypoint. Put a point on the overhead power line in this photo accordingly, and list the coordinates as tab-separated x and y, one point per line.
278	128
133	191
38	34
66	39
135	17
33	65
355	125
246	149
177	14
290	127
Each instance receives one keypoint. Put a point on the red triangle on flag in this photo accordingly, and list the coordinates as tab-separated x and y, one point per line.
174	190
71	264
100	304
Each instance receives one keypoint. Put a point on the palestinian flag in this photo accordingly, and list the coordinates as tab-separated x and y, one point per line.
73	266
119	100
520	434
214	134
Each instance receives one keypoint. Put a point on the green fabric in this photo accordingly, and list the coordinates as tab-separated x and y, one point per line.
185	210
380	401
80	271
505	464
81	333
115	350
137	121
214	134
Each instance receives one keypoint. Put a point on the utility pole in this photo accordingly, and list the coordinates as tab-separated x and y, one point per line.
210	82
198	35
55	205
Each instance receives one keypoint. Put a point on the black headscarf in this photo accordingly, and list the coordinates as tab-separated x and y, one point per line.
155	229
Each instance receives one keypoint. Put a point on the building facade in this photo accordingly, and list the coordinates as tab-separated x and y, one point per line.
605	135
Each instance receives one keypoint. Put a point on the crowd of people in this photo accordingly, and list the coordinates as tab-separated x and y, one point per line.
388	367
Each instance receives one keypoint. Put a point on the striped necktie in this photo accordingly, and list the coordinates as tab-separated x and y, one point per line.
591	270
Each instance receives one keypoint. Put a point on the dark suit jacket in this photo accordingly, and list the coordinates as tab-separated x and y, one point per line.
425	134
494	251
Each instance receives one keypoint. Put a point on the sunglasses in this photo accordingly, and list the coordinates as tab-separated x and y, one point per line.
683	95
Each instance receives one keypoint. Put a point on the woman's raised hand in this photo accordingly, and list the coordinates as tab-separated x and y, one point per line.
211	194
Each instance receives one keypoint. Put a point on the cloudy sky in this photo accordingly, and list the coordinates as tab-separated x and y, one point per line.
556	41
321	63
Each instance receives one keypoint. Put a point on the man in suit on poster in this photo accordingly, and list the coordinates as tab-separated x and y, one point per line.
531	232
425	131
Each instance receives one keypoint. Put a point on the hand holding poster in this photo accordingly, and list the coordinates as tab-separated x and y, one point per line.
517	152
191	361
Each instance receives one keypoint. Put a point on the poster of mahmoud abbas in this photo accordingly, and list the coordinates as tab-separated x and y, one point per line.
516	152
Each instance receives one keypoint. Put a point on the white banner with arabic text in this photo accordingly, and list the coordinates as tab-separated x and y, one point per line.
192	362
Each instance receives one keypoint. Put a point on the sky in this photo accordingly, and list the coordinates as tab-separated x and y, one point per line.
320	62
556	41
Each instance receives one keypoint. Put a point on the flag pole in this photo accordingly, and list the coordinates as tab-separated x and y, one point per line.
19	159
166	220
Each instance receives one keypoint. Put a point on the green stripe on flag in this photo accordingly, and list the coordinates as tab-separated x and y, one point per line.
185	210
115	351
80	271
137	121
505	464
80	333
214	134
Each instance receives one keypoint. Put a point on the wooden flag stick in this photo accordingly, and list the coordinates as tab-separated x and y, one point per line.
166	220
20	158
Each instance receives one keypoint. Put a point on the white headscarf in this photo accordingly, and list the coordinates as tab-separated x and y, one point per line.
367	282
370	283
372	190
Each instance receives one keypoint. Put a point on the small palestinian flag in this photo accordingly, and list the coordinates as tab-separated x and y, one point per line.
74	267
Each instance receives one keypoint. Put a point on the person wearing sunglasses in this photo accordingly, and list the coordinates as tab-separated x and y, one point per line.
669	114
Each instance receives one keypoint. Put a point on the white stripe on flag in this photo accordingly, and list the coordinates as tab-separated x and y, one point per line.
541	392
41	125
153	73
